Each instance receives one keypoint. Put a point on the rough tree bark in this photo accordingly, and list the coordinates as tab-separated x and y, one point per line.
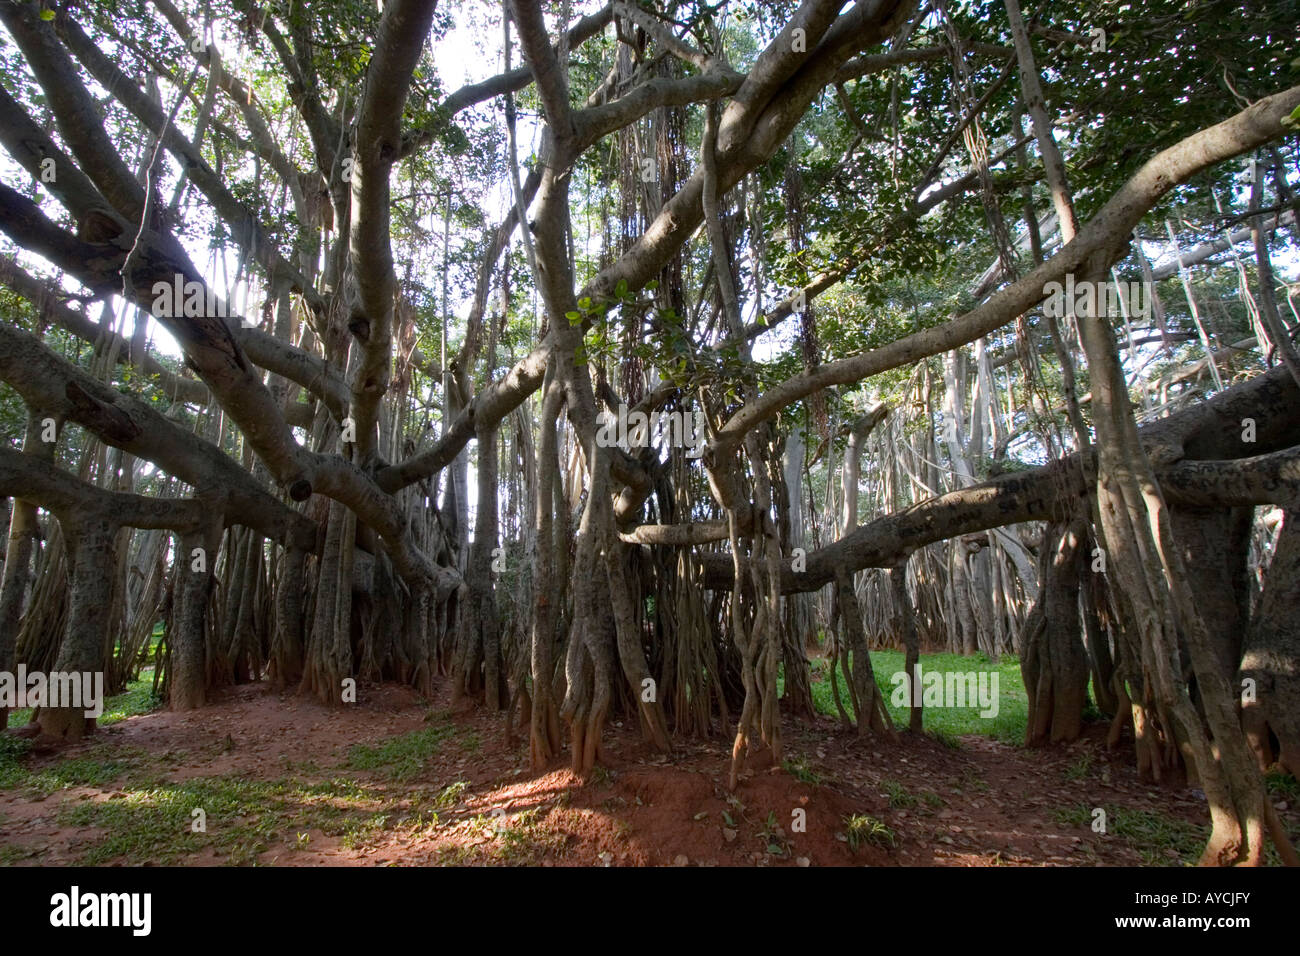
1271	714
1053	660
24	531
91	558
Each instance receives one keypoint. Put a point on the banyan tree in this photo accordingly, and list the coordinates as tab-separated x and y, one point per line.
683	340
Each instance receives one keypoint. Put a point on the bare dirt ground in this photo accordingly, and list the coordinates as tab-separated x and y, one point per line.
473	800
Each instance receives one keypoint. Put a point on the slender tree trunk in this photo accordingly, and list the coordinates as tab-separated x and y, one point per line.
482	556
871	712
195	558
1271	702
24	531
544	735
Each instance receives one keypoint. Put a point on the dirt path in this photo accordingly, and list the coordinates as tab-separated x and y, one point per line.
279	783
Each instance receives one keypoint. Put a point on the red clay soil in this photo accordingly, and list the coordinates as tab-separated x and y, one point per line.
983	804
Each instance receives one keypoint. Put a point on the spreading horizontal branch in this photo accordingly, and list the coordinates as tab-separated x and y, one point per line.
49	487
1054	491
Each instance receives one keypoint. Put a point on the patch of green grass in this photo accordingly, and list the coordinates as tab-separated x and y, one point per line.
450	794
401	758
1151	833
12	771
527	839
74	772
358	833
138	698
946	723
949	740
421	823
1079	769
100	765
863	830
13	855
10	855
798	768
242	818
1091	713
899	797
1282	786
457	855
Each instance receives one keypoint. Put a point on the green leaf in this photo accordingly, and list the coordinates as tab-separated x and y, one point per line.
47	15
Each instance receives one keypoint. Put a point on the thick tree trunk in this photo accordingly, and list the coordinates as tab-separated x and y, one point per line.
329	653
1054	662
91	559
194	581
1214	546
1147	563
287	648
631	655
590	665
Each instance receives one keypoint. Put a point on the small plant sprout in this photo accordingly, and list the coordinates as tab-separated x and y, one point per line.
863	830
